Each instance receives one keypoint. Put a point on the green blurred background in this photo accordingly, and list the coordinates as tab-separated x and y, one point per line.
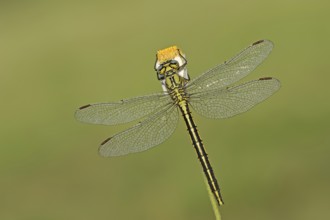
272	162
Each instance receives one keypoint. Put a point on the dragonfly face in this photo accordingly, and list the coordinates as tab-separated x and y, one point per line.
171	68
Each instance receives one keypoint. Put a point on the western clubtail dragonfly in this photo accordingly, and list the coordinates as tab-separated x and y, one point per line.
210	95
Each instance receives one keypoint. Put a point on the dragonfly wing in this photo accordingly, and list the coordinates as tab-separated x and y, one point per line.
148	133
225	103
123	111
233	70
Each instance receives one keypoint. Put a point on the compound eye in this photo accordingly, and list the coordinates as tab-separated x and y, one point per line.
162	70
160	67
174	64
161	73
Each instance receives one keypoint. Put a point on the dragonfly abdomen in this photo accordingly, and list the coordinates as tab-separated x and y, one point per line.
200	150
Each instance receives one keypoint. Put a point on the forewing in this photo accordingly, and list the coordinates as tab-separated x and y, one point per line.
234	69
225	103
123	111
149	133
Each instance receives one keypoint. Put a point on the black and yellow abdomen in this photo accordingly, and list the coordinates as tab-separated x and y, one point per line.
200	150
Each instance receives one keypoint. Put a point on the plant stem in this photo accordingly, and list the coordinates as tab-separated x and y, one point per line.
215	206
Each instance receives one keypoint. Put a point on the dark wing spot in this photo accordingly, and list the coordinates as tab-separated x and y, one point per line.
257	42
106	141
265	78
85	106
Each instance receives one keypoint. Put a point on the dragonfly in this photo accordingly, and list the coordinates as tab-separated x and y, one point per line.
212	94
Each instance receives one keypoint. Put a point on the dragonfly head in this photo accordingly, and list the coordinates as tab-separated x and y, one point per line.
171	61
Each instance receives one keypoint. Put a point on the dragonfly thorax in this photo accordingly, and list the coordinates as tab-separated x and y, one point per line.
171	68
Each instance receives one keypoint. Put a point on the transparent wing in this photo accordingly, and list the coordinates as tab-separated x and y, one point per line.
123	111
149	133
225	103
234	69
